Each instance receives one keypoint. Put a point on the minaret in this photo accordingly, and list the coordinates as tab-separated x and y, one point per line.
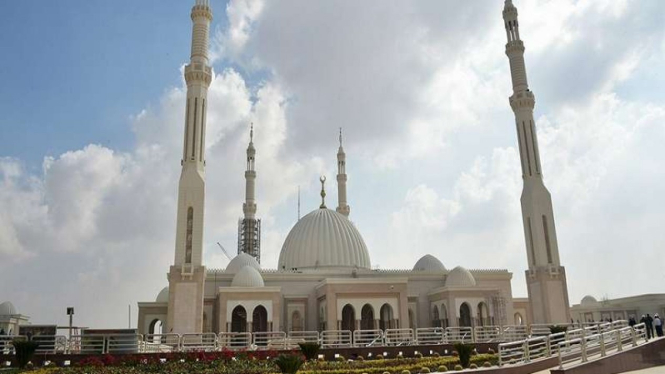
546	278
187	275
249	228
342	206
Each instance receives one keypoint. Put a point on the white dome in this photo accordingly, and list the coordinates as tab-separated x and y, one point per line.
429	263
240	261
589	300
324	238
247	277
163	296
7	308
460	277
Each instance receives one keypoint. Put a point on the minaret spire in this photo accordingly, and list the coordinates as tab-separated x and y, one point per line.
187	275
342	205
549	304
249	228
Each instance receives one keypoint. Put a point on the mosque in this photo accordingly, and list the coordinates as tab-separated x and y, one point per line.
325	279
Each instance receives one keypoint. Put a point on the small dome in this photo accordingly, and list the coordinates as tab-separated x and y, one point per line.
7	308
163	296
324	239
589	300
247	277
240	261
429	263
460	277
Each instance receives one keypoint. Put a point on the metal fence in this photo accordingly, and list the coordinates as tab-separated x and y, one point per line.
521	343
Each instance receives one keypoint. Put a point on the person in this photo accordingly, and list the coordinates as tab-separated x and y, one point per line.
658	323
648	324
2	331
631	321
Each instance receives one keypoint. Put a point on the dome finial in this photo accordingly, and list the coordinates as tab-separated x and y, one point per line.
340	137
323	192
251	132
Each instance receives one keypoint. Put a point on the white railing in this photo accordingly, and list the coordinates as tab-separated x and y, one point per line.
7	345
590	339
158	343
269	339
430	335
399	337
367	338
304	336
459	334
335	338
198	342
234	340
597	345
518	346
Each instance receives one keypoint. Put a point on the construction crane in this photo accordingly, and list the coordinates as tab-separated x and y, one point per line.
224	250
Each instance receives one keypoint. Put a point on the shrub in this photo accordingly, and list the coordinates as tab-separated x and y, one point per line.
458	367
473	366
379	357
360	358
406	372
442	368
487	364
289	364
310	350
464	351
386	372
24	351
436	354
340	358
455	354
418	355
424	370
490	351
555	329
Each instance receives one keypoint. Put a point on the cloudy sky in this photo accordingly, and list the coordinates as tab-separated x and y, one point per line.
92	107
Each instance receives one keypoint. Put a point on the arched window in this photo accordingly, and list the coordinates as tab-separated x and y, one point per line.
156	328
348	318
465	315
436	321
518	319
239	319
483	314
260	319
190	228
296	321
387	319
367	317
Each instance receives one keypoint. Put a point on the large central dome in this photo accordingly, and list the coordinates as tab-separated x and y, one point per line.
323	239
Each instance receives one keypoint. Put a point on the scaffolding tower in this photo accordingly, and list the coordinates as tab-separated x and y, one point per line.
249	237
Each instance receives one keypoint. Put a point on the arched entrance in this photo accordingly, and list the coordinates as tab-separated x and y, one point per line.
387	319
483	314
260	319
296	321
367	317
518	319
465	315
156	328
239	319
348	318
436	321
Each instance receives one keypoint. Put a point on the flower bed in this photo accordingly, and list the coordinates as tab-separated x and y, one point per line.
249	363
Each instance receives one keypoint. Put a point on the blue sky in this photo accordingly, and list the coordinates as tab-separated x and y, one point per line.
92	105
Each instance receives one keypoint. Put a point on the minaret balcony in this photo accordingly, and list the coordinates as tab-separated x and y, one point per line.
198	72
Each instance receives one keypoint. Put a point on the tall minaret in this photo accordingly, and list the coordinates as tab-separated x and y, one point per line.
342	205
249	228
187	275
546	278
